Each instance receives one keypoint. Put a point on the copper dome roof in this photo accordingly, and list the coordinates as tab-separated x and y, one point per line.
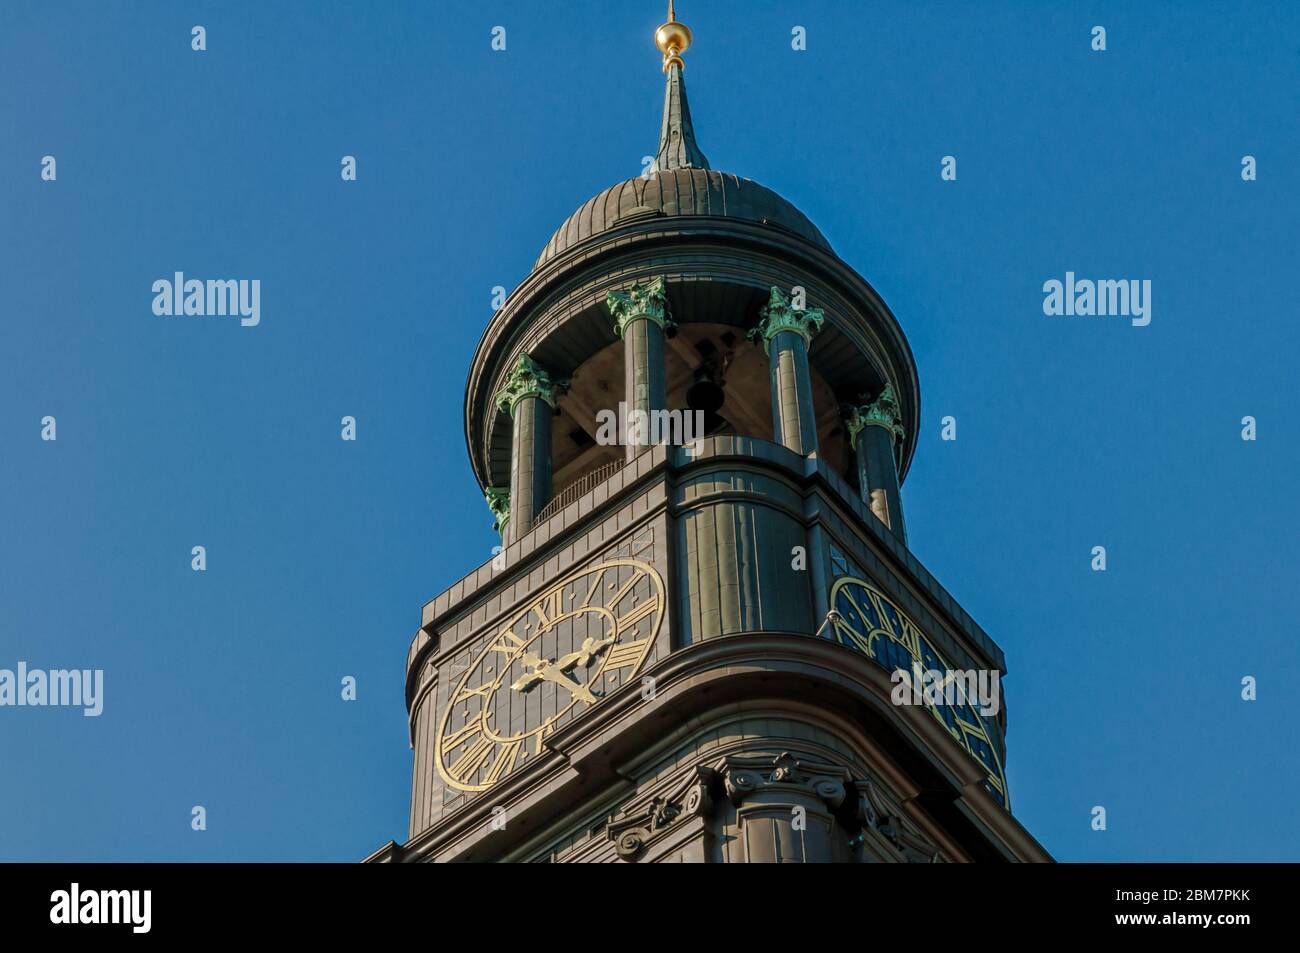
679	182
679	191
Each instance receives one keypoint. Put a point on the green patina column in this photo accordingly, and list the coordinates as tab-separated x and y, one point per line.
873	430
528	395
641	319
787	334
498	501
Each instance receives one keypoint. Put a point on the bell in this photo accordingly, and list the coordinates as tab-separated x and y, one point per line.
705	395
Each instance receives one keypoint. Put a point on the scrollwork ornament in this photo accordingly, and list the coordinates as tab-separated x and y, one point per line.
631	842
830	790
740	783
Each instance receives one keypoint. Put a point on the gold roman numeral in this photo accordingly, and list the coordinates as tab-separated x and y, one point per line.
640	612
997	783
910	637
510	644
548	727
505	762
460	734
549	608
467	692
881	613
625	655
627	587
595	588
855	639
467	765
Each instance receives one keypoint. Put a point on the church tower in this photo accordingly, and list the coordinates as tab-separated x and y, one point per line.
691	422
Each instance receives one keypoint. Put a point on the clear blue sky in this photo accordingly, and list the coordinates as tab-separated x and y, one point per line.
222	688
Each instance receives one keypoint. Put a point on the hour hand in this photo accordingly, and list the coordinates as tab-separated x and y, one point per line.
589	649
547	671
529	679
550	671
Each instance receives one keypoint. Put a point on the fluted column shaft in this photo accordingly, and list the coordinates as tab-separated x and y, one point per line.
787	332
873	431
641	319
530	464
529	396
793	422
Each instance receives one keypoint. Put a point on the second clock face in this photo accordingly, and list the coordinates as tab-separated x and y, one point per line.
570	646
870	623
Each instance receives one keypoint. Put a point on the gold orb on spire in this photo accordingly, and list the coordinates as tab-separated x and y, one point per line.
673	39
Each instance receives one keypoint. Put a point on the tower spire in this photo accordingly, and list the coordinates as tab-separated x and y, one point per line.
677	148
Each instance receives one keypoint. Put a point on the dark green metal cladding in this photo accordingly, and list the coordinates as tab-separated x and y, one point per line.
677	148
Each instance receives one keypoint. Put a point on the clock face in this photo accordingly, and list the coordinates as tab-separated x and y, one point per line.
570	646
871	624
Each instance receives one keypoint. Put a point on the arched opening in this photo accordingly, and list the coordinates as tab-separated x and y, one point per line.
710	368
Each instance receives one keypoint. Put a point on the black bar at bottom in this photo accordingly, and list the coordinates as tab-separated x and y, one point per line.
333	902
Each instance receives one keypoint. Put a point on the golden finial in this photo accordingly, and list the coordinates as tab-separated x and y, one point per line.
673	39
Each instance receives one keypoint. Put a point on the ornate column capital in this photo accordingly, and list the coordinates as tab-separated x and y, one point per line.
780	315
528	379
746	775
498	501
881	412
647	300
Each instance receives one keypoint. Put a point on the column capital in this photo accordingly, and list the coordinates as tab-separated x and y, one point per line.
498	501
646	300
780	315
528	379
881	412
743	775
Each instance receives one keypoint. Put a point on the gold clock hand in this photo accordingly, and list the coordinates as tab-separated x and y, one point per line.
566	662
580	692
589	649
547	671
528	679
525	681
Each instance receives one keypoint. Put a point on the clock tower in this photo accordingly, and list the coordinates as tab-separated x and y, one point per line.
705	638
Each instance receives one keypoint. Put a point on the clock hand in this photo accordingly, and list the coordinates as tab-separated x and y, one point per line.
525	681
579	691
547	671
528	679
589	649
